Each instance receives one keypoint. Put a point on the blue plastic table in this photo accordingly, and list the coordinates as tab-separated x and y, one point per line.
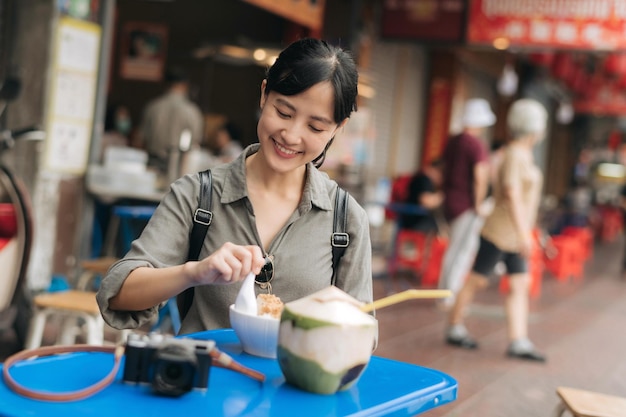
386	388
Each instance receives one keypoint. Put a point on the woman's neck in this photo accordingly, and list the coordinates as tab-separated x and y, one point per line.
259	174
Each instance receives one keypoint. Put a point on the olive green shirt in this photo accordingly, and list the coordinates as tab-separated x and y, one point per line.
302	250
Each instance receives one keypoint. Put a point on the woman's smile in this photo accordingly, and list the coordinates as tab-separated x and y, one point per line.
284	152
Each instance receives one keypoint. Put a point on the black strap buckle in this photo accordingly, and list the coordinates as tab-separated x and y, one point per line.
340	240
203	216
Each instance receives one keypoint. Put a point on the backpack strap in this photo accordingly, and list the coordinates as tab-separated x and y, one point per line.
202	218
340	238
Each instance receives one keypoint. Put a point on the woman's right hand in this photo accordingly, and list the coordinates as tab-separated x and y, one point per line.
228	264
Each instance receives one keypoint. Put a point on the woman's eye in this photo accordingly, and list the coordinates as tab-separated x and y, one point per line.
316	130
281	114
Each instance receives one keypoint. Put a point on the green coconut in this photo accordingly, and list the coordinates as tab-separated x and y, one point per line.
325	341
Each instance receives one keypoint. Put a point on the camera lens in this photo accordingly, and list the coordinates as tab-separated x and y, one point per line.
174	370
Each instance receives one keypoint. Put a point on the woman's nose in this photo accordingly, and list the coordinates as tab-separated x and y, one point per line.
292	133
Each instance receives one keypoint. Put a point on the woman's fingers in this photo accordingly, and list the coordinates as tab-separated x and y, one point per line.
232	263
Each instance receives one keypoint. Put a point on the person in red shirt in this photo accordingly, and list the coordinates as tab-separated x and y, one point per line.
465	184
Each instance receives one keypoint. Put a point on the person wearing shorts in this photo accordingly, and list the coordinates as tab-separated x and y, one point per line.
507	233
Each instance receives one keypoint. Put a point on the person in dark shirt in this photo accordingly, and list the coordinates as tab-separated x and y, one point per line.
424	197
465	184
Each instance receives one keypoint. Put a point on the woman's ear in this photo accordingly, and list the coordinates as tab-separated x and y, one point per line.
263	95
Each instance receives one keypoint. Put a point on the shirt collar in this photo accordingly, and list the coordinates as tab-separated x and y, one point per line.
315	192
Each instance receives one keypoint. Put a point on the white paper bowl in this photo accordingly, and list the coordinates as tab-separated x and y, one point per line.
258	334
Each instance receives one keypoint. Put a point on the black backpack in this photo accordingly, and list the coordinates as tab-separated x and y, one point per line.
203	217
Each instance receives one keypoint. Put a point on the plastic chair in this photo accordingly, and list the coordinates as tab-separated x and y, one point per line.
585	236
569	259
408	252
611	223
432	261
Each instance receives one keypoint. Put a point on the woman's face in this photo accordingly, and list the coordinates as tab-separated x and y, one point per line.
293	130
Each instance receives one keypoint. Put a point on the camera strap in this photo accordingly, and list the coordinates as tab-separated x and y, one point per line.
118	352
219	359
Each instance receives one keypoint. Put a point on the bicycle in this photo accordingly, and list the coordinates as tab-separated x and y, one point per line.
16	227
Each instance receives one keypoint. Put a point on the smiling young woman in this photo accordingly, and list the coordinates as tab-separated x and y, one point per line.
270	203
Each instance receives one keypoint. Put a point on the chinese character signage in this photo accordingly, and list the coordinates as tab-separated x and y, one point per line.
580	24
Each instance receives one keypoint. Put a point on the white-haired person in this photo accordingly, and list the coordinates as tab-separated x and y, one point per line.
507	233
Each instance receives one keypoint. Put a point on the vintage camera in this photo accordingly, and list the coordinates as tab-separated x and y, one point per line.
172	366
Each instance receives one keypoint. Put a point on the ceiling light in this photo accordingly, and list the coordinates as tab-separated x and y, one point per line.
259	54
501	43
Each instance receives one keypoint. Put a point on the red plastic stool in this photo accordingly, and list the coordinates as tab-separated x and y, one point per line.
408	251
612	224
568	261
585	236
432	261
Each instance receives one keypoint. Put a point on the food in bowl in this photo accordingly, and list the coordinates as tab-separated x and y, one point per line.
325	341
269	305
258	334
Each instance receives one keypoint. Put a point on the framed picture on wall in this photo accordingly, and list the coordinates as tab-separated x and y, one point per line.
143	51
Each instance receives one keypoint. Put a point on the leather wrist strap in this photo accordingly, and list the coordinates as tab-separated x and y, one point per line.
54	350
220	359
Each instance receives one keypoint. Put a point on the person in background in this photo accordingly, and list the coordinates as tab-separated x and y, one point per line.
227	142
424	192
117	128
507	233
465	185
117	131
271	206
171	125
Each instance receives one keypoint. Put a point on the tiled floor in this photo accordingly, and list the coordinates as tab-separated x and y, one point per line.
578	324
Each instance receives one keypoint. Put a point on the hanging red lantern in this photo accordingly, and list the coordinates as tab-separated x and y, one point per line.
615	138
621	81
577	78
562	65
543	59
615	64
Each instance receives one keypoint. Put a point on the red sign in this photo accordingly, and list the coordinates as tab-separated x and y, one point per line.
581	24
432	20
603	100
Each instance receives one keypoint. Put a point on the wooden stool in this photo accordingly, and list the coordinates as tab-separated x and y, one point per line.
72	305
93	268
581	403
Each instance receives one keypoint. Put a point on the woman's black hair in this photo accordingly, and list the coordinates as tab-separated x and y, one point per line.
307	62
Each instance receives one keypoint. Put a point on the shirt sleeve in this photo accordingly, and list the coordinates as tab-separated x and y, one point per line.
171	223
477	152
